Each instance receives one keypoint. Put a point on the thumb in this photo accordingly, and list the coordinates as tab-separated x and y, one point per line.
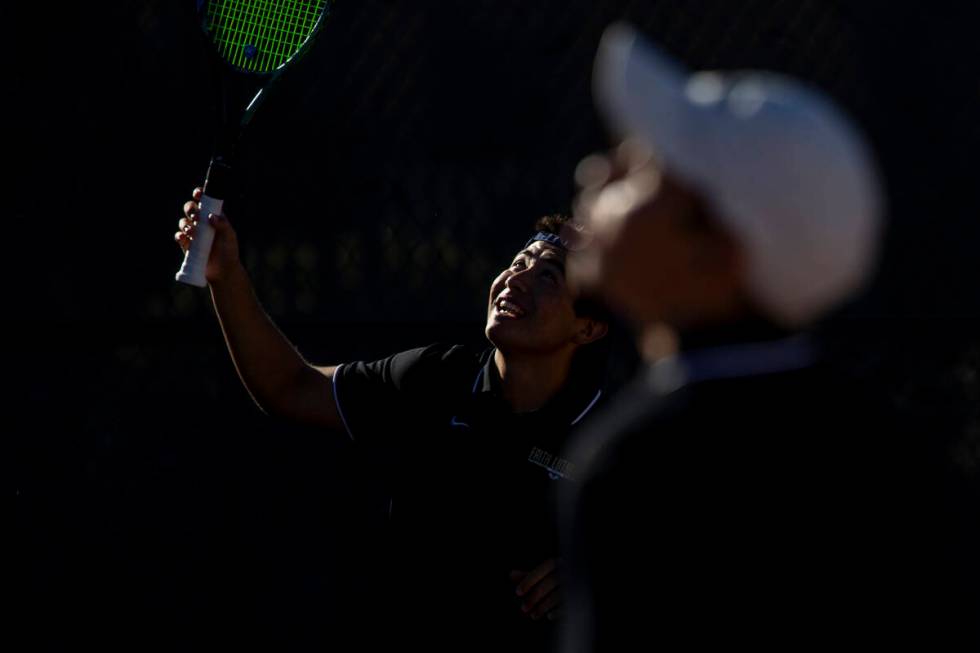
219	222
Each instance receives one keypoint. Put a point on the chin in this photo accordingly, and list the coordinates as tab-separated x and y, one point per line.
493	332
509	338
497	334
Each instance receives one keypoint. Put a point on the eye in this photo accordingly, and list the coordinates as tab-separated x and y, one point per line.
550	275
517	265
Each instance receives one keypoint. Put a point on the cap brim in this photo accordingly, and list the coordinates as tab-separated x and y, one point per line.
643	93
639	90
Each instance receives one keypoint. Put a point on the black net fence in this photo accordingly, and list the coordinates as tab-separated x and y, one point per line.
380	189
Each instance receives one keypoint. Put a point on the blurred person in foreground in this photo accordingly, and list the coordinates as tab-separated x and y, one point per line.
468	439
742	490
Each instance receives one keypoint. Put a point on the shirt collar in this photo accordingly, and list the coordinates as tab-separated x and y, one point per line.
733	361
572	403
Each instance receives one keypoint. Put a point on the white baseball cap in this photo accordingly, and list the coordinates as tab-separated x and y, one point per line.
785	172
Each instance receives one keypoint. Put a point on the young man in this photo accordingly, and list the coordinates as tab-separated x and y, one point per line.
471	441
741	492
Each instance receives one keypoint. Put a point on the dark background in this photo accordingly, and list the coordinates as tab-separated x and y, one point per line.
381	188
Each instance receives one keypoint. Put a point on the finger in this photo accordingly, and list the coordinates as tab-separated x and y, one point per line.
183	240
546	606
539	592
535	576
191	209
217	221
197	193
188	228
516	576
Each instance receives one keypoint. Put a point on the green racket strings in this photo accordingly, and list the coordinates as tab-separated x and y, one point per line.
260	36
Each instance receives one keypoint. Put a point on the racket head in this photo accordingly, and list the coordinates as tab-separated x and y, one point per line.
260	37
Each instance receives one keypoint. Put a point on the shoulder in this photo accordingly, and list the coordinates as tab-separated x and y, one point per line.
437	363
423	368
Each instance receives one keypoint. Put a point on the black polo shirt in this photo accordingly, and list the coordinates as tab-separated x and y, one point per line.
752	495
472	484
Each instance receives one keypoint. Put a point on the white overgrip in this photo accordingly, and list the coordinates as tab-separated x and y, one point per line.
196	259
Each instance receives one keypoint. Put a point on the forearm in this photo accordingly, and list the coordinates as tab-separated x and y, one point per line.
267	363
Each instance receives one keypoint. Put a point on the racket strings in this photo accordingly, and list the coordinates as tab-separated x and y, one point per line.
262	35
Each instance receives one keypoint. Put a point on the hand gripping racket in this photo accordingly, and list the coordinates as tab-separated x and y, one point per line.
253	41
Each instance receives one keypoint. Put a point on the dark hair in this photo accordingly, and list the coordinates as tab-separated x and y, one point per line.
551	224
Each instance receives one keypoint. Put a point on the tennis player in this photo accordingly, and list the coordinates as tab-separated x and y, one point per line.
472	441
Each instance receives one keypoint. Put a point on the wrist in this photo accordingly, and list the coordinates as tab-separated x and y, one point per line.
232	276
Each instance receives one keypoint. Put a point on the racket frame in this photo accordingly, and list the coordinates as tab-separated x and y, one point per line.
234	87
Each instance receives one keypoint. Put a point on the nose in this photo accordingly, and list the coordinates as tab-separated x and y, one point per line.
518	280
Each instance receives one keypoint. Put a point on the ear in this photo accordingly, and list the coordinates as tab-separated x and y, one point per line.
590	331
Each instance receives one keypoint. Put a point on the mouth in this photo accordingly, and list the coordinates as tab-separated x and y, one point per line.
509	309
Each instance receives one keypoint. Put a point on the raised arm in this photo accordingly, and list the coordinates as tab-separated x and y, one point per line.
275	374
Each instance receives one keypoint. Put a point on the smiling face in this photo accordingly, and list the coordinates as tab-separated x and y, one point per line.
531	307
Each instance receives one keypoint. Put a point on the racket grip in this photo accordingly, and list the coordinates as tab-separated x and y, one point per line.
196	258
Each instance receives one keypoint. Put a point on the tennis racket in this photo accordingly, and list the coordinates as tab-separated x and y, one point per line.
253	42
